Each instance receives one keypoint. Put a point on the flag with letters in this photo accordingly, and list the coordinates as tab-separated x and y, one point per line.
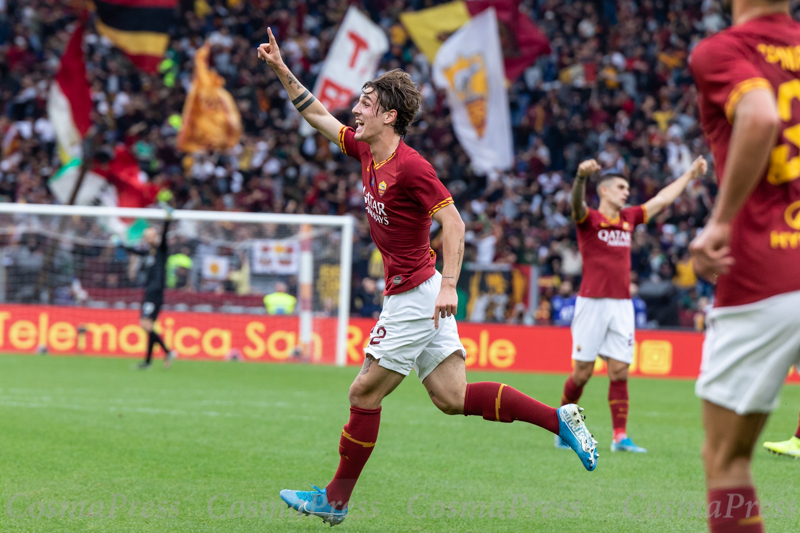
469	66
351	62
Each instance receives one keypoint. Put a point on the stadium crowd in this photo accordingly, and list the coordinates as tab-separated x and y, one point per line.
615	87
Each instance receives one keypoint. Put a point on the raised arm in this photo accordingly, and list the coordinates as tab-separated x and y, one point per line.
453	255
302	99
585	169
668	194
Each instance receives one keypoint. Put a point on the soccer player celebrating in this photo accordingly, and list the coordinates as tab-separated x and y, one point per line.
749	82
604	316
155	269
416	328
790	448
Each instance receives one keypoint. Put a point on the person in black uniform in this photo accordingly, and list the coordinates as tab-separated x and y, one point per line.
154	265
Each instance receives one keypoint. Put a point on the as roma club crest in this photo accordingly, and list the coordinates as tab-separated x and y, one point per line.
381	188
467	76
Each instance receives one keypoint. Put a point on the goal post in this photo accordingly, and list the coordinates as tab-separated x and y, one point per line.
221	266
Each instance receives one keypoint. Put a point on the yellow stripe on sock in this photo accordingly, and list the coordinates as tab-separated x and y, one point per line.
351	439
612	402
752	520
497	402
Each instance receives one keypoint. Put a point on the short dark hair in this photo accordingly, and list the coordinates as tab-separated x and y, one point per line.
605	177
394	90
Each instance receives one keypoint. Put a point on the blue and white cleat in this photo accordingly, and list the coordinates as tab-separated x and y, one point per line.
626	445
314	503
574	433
561	445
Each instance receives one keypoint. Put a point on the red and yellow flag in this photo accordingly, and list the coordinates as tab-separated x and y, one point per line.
211	120
140	28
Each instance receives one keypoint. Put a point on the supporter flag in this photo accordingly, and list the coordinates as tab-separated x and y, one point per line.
131	184
211	120
140	28
69	103
117	183
352	61
469	66
215	267
521	40
273	256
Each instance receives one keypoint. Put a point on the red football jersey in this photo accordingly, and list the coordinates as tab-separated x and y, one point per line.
401	194
765	241
605	247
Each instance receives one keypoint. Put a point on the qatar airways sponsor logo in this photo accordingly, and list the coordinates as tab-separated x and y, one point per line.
375	209
615	237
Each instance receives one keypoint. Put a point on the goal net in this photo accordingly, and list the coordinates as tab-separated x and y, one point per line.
249	286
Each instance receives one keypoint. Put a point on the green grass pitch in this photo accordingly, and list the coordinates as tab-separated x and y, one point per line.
206	446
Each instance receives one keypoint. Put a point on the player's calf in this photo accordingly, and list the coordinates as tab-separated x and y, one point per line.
447	385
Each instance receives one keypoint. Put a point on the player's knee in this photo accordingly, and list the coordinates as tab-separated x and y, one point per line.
723	459
363	398
618	374
582	372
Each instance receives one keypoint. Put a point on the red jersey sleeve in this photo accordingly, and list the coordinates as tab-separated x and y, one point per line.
423	185
635	215
723	74
348	143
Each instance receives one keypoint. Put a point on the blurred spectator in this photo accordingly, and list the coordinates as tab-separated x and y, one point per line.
368	300
639	308
240	279
280	302
563	305
179	266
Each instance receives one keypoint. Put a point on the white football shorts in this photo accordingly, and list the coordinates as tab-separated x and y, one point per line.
603	326
404	337
748	352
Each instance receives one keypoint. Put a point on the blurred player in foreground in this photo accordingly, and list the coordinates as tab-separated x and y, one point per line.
790	448
604	318
416	328
155	269
748	79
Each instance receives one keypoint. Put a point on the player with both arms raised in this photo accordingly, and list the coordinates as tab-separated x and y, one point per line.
604	316
416	328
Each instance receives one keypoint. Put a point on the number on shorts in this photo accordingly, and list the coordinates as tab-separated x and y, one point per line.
148	308
379	334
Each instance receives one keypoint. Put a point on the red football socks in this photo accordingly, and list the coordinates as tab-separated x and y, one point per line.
797	434
355	446
734	511
501	403
572	393
618	402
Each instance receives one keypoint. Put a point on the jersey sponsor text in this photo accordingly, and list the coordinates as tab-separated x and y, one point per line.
615	237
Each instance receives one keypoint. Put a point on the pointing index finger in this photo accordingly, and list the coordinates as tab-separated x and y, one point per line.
271	37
